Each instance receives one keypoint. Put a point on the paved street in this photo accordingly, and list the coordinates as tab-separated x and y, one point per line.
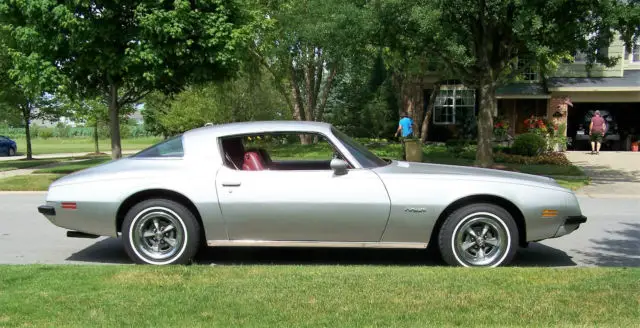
611	237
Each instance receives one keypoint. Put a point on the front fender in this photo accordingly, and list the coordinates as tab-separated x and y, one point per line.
418	202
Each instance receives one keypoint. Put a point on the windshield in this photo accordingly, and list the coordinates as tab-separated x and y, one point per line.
366	158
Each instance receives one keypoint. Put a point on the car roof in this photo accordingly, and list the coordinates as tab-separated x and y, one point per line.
260	127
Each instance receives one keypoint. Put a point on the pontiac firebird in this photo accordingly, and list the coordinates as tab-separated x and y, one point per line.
205	187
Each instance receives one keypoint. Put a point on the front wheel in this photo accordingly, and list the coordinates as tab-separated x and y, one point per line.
12	152
159	232
479	235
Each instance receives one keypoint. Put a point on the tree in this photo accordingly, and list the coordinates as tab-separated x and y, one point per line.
25	81
303	45
479	41
93	112
124	50
247	97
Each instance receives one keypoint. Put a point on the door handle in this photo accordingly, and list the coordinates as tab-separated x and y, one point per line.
231	184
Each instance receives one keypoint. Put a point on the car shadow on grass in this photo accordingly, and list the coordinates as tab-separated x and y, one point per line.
111	251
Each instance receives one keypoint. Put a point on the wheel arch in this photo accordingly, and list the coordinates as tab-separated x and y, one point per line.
509	206
143	195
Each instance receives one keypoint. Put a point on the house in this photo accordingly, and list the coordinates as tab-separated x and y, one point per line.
568	97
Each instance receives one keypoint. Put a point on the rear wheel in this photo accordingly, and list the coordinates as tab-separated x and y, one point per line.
479	235
12	152
159	232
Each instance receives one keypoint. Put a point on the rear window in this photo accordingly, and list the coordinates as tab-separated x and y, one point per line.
169	148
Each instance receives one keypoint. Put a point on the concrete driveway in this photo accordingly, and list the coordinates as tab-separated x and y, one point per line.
613	174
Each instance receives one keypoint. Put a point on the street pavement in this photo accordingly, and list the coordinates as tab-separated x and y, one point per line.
611	237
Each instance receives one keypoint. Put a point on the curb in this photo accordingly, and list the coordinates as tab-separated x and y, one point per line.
600	196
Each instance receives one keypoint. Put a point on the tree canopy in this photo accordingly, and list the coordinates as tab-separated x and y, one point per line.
122	49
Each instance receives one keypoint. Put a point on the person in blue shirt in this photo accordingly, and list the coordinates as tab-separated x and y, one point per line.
405	126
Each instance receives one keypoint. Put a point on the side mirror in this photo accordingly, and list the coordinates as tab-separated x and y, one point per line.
339	166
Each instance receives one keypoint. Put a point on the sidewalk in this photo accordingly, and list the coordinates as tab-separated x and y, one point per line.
613	174
61	155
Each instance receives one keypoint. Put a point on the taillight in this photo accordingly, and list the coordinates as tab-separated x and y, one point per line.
69	205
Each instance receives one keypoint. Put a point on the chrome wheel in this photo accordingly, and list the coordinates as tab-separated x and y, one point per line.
158	233
481	239
12	152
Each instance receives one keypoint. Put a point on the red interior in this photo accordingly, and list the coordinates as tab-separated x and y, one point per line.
253	162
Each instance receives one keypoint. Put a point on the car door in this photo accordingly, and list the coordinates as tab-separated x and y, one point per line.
303	205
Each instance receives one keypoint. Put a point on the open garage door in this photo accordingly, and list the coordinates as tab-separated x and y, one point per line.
623	124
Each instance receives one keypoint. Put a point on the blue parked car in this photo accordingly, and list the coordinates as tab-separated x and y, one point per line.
7	146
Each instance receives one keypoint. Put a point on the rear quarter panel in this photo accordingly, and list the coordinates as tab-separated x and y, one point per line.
100	191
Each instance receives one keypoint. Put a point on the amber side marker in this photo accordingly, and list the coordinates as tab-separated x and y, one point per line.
549	213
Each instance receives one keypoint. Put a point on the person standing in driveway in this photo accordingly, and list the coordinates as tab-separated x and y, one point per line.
597	129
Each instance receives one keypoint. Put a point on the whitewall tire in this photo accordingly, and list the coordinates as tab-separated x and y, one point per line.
160	232
479	235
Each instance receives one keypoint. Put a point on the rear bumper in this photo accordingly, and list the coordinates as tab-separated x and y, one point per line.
47	210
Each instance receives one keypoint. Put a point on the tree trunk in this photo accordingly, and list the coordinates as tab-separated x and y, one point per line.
114	122
26	113
484	155
413	102
325	92
310	86
95	137
427	118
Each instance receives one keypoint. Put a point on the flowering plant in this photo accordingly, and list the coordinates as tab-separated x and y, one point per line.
538	125
500	128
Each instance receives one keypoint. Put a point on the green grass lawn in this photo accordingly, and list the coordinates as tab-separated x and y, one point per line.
23	164
31	182
316	296
80	145
71	167
573	183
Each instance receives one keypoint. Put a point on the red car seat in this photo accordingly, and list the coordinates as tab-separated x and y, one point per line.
252	162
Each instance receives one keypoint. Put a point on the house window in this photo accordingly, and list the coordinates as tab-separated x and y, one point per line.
528	71
453	99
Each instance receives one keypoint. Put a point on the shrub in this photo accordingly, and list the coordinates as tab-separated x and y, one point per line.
528	144
456	146
546	158
45	133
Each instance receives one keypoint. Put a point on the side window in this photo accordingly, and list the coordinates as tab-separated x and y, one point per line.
279	151
170	148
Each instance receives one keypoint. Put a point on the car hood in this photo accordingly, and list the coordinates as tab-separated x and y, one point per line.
466	172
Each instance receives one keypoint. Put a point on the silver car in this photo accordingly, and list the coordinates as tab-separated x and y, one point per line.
232	185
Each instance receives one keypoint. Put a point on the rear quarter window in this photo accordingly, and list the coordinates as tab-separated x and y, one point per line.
169	148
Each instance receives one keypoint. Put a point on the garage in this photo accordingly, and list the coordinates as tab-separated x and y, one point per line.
623	124
617	99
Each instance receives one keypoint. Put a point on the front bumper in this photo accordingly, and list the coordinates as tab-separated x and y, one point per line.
575	219
570	224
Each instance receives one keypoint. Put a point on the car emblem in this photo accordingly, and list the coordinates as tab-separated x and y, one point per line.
415	210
